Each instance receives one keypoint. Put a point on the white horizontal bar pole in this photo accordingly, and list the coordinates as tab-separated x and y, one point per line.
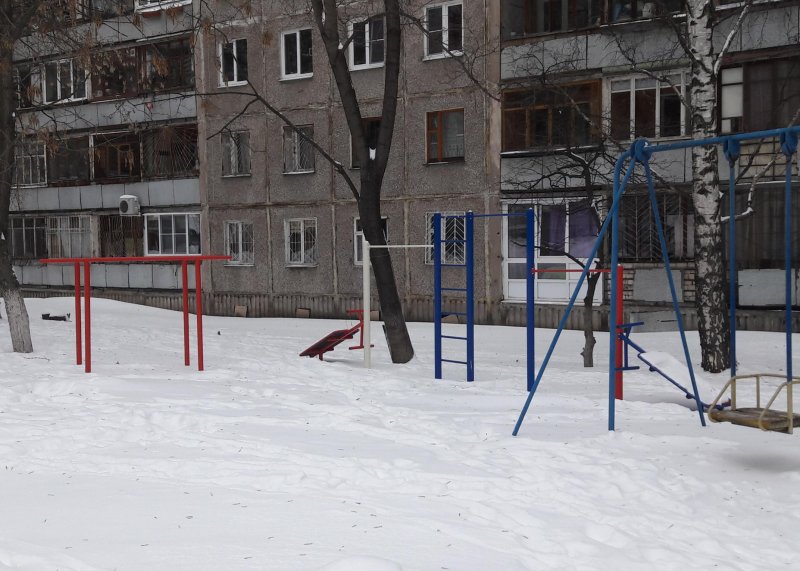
402	246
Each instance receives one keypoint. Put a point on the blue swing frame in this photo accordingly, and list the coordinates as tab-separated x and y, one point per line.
640	152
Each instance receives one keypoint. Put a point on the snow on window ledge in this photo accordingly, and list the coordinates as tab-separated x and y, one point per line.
145	7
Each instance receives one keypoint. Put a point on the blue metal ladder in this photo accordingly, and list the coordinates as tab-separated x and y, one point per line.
468	290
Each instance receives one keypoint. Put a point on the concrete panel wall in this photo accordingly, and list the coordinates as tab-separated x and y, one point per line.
106	196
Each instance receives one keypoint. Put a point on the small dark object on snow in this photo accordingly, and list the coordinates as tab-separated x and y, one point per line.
218	333
48	317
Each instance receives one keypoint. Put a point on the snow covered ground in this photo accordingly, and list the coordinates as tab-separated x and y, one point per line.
269	461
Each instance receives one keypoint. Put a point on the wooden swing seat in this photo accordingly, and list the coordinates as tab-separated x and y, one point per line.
763	417
773	420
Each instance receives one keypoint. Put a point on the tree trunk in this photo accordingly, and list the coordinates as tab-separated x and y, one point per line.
9	287
588	321
18	323
400	347
710	282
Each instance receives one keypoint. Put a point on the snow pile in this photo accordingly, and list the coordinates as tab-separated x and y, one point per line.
270	461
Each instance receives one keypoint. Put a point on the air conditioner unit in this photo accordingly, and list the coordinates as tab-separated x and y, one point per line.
128	205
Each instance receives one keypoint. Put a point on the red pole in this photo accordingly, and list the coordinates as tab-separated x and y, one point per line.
618	341
198	302
78	345
87	304
185	281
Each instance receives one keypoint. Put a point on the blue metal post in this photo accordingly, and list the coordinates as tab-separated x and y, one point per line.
437	294
618	190
531	304
470	262
612	315
788	146
665	256
732	150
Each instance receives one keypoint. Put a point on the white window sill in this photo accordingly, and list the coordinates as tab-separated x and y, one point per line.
458	161
366	66
238	265
151	255
293	173
156	7
296	76
443	55
24	186
301	265
237	175
63	101
232	84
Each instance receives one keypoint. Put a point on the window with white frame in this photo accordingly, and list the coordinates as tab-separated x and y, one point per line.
30	164
445	136
444	29
296	54
235	153
760	95
453	232
298	153
367	43
732	99
646	107
239	243
233	63
169	234
301	242
358	238
64	80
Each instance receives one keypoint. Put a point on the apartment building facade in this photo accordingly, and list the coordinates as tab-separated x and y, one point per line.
582	79
107	111
168	119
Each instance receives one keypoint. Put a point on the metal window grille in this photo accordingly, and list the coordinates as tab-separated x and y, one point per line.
298	154
452	229
639	239
121	236
170	152
30	164
301	242
235	153
239	243
69	237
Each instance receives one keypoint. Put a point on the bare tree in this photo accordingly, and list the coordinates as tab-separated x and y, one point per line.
16	21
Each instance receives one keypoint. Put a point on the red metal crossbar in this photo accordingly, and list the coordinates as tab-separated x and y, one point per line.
83	355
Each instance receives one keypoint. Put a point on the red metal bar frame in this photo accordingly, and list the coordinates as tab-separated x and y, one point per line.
78	345
198	302
618	339
87	307
185	284
84	353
